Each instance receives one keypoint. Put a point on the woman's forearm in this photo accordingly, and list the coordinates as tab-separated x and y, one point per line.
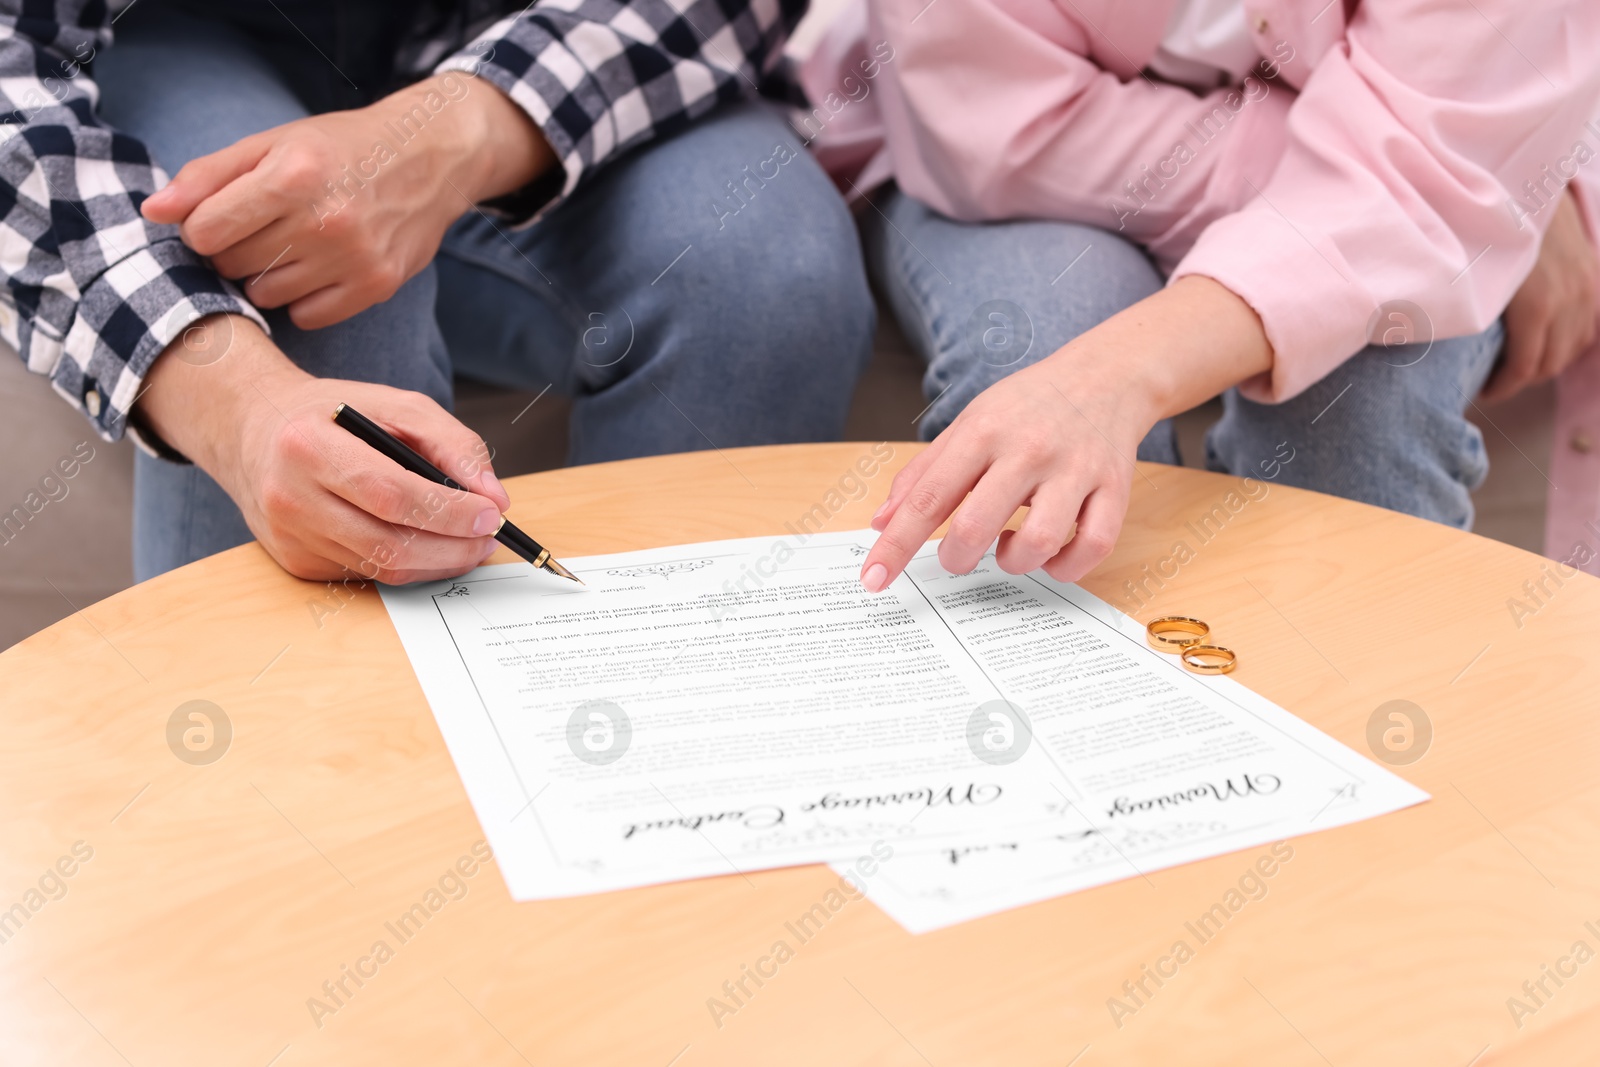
1174	350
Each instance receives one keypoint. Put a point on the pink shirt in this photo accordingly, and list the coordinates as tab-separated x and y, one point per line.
1389	150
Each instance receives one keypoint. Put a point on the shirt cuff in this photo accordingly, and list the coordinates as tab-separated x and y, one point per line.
126	318
531	82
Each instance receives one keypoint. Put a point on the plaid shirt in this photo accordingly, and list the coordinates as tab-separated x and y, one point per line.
93	292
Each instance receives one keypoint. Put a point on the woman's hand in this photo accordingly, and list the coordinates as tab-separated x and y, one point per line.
331	214
1060	437
1551	320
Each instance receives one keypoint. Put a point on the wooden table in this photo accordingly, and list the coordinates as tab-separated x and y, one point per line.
220	896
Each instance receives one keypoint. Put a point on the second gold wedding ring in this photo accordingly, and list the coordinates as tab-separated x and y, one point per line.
1208	659
1174	633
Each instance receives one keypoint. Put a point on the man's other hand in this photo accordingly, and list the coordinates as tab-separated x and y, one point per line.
331	214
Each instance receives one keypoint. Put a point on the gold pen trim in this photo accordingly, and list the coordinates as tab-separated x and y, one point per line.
557	568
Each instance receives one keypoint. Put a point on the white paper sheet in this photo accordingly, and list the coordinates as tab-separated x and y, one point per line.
1133	830
724	707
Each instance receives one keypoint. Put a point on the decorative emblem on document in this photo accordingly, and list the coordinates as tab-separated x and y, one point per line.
457	590
660	570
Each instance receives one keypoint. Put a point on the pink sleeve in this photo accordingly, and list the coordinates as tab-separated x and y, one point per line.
995	110
1404	176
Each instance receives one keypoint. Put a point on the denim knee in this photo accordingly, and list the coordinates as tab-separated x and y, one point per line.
769	312
810	296
980	301
1388	428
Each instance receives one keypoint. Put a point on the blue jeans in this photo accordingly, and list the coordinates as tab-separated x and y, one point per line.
978	301
674	323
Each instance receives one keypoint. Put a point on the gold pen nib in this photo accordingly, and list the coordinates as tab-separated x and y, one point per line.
555	568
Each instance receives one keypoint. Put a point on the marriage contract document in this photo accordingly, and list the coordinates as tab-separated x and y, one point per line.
718	708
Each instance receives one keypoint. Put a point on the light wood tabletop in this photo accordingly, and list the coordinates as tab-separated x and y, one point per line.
167	910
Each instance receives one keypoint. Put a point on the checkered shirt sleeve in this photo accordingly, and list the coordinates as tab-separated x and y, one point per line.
92	293
600	76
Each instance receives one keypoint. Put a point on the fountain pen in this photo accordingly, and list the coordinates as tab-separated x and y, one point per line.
384	441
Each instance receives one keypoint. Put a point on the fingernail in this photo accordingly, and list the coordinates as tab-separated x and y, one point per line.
488	522
492	484
883	508
875	578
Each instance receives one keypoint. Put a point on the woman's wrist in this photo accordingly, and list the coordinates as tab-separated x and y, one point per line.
1171	351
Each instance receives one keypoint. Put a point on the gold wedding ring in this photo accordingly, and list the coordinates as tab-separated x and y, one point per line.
1174	633
1208	659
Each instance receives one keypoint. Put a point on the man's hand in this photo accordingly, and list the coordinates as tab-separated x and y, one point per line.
1060	437
332	214
1551	320
322	503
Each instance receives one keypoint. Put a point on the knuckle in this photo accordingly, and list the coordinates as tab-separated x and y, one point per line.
1034	445
983	429
421	403
965	531
950	558
301	565
383	496
468	462
892	547
446	511
198	236
923	502
299	167
1095	544
1014	564
385	559
290	444
336	225
277	500
1033	542
1059	570
906	477
387	277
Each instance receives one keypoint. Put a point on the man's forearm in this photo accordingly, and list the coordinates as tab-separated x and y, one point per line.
197	390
